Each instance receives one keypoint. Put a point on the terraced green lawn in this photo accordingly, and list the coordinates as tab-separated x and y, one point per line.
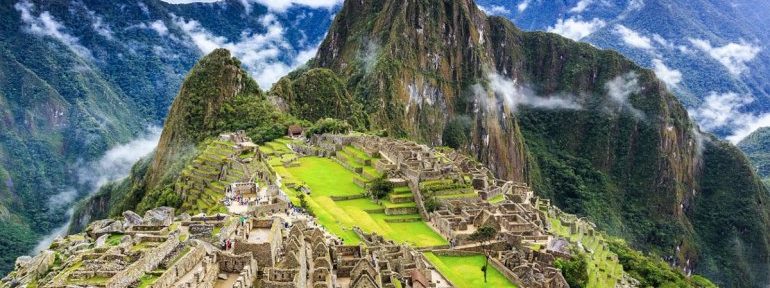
601	271
465	271
327	178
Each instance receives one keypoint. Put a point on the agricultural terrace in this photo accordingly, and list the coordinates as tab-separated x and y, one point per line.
337	196
465	271
604	270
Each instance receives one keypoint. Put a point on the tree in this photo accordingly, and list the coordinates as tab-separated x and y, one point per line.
482	235
380	187
431	204
304	205
575	270
457	132
329	125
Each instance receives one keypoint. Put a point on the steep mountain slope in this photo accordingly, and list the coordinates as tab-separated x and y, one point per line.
593	131
78	77
757	149
217	96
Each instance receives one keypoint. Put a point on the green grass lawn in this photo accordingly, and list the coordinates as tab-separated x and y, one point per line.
497	199
327	178
465	271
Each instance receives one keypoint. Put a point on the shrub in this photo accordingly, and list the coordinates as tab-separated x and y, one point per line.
575	270
380	187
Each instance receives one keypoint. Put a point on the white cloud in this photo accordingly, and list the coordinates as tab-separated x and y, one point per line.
581	6
258	52
494	10
620	90
523	5
45	25
575	28
159	27
62	198
189	1
283	5
117	162
733	55
633	38
512	95
272	5
726	111
97	23
671	77
633	5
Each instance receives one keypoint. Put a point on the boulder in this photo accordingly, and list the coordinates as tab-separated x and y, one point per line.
102	240
131	218
79	247
22	261
29	268
105	226
161	216
222	276
183	217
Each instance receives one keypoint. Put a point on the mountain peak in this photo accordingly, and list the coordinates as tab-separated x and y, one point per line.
215	80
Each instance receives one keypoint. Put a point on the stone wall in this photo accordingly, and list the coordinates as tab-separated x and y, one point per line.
267	209
262	252
198	231
413	186
147	262
507	273
181	267
230	263
228	230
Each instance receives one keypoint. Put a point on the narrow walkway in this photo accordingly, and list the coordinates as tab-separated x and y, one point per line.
227	283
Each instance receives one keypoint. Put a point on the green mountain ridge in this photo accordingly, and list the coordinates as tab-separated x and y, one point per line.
757	149
624	153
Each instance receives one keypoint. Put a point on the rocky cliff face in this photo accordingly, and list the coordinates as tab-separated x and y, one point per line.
588	128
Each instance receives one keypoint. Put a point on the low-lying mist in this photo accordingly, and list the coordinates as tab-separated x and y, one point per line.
114	165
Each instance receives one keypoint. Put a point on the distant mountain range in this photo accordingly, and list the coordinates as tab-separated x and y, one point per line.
711	53
79	77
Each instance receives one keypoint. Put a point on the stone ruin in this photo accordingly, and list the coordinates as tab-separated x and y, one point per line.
459	219
189	251
243	143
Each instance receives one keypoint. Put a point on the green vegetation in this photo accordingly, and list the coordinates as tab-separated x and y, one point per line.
329	125
651	271
379	188
757	148
497	199
465	271
114	239
326	179
16	240
602	269
457	132
147	280
574	270
317	94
